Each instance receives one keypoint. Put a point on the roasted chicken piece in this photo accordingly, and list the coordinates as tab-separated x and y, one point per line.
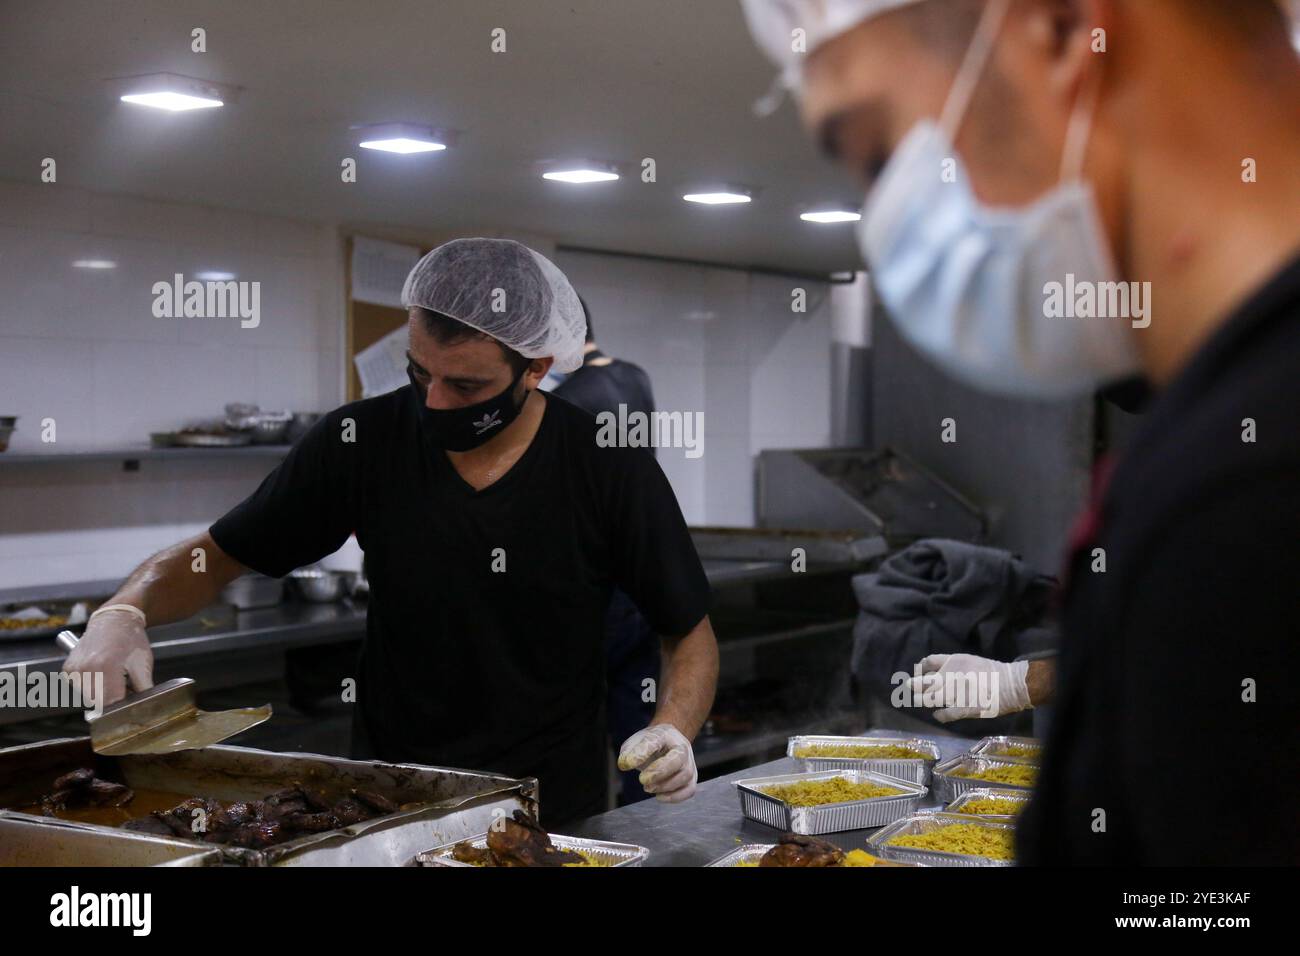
468	853
521	841
81	788
795	849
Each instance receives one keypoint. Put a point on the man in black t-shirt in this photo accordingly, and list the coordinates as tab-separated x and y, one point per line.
1007	154
495	528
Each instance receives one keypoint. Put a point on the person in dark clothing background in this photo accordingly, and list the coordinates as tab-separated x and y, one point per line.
602	384
1120	171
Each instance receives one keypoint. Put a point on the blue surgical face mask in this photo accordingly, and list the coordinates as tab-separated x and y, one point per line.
966	284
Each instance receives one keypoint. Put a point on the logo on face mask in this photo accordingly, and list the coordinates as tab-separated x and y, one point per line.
489	420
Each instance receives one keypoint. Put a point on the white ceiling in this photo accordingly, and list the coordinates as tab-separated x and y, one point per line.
603	79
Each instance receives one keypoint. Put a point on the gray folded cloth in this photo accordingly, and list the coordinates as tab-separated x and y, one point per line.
946	597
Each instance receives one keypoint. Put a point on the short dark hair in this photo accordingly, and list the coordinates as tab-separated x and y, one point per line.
586	315
449	331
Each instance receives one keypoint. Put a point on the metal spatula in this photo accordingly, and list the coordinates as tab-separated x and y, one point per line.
163	719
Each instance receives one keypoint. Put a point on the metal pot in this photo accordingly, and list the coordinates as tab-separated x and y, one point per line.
318	586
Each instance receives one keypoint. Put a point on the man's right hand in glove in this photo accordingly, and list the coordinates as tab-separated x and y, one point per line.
115	644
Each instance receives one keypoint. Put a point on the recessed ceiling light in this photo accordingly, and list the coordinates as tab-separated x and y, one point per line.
718	198
402	144
172	102
214	276
581	176
172	92
402	138
830	215
94	264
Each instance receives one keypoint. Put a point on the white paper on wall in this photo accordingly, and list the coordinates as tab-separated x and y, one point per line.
382	366
379	270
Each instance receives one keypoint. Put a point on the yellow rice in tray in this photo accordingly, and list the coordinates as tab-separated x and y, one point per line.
1022	775
852	858
968	839
992	806
861	751
813	793
1019	750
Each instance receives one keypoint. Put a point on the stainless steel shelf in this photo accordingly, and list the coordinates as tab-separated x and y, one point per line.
140	453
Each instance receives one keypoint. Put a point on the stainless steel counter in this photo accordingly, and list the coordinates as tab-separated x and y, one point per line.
710	824
201	646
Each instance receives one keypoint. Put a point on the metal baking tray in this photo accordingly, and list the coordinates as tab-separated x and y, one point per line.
878	844
948	787
59	608
28	842
753	852
210	440
904	768
989	793
828	817
997	747
609	854
440	804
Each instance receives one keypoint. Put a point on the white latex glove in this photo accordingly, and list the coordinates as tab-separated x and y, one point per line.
116	645
666	761
1003	682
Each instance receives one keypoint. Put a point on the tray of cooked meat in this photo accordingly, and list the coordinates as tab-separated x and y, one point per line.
258	808
520	841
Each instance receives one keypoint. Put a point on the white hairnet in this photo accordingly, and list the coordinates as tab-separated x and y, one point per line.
506	290
773	22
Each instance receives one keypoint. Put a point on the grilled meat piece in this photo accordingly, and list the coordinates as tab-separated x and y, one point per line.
52	803
795	849
279	811
80	788
287	795
81	777
310	822
375	801
176	825
315	799
522	842
350	812
235	815
468	853
253	836
105	793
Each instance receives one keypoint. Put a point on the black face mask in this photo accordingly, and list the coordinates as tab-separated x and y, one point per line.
461	429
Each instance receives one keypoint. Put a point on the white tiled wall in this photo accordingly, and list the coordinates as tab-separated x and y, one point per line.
83	348
724	342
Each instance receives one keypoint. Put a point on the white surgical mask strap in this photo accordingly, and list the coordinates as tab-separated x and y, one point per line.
1079	130
972	67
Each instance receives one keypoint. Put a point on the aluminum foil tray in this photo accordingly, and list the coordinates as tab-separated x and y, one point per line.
879	845
1020	797
609	854
916	770
830	817
999	747
749	853
948	787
